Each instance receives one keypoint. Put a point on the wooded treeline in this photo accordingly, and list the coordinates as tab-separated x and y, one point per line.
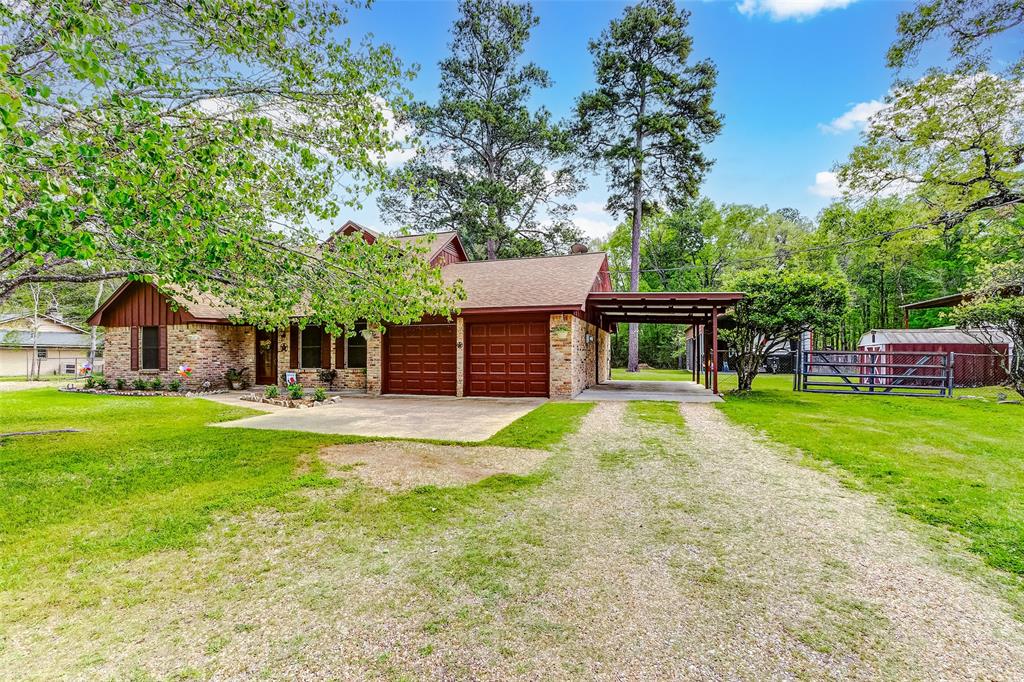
878	248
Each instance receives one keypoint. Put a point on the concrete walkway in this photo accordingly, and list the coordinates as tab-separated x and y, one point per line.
436	418
677	391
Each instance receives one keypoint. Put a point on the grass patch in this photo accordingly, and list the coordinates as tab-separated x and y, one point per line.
652	374
955	464
147	474
543	427
143	474
660	412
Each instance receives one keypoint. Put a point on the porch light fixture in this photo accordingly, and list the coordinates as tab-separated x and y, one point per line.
590	339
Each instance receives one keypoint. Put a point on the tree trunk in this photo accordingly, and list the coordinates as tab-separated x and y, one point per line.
92	344
634	257
746	370
36	292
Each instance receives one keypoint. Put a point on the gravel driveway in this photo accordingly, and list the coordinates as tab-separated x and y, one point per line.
642	554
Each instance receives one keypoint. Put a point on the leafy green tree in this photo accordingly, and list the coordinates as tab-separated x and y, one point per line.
648	117
779	306
997	310
190	143
885	259
965	25
489	168
953	140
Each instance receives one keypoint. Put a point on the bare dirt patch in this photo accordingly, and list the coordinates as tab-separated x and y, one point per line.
395	465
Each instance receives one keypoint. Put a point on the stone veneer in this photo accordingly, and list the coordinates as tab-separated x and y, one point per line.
355	378
460	357
576	364
209	349
373	364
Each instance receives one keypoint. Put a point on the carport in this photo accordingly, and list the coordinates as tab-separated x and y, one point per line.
698	309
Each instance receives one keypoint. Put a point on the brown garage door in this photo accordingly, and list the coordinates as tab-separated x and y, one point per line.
420	358
508	357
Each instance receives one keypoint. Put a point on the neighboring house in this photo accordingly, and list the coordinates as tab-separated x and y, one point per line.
524	329
61	348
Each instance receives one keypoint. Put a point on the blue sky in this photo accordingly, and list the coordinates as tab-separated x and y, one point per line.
789	70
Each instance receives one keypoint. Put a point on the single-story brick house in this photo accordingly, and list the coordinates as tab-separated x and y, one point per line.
528	327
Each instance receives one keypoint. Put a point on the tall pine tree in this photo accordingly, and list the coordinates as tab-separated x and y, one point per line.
648	117
489	168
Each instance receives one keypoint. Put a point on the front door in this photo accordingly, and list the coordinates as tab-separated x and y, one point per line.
266	357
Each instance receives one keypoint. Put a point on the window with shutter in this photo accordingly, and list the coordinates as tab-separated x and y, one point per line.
357	347
312	339
150	348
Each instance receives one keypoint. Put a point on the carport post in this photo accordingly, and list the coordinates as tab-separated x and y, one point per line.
698	334
707	357
714	349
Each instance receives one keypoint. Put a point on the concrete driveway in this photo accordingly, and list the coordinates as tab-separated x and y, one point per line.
675	391
465	419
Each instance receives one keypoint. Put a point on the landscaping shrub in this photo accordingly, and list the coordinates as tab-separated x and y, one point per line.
90	382
270	392
295	391
174	385
140	385
156	384
103	383
319	394
121	384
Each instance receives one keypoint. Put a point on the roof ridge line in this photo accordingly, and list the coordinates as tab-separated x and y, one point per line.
513	260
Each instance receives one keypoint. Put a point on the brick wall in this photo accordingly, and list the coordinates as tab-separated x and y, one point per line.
573	359
373	364
560	380
605	353
460	357
348	378
209	349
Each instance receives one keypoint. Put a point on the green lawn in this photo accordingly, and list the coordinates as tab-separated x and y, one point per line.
147	474
49	377
653	374
951	463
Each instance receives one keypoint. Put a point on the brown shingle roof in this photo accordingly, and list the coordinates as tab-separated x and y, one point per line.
548	281
203	306
440	240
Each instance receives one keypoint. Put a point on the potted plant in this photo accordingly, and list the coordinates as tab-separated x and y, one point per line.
235	377
328	376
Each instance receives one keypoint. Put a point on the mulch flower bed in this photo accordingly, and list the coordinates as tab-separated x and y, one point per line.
288	402
132	391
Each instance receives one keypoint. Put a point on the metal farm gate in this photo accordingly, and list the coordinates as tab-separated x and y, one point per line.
861	372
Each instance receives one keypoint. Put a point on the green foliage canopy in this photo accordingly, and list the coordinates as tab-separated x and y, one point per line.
995	314
490	168
190	143
779	306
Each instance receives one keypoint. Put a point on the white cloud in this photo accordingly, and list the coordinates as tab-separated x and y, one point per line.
593	219
826	184
780	10
594	227
856	116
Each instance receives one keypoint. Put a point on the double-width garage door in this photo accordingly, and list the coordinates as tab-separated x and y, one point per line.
420	359
507	357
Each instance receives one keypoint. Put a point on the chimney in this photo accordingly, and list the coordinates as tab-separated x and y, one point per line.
492	250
